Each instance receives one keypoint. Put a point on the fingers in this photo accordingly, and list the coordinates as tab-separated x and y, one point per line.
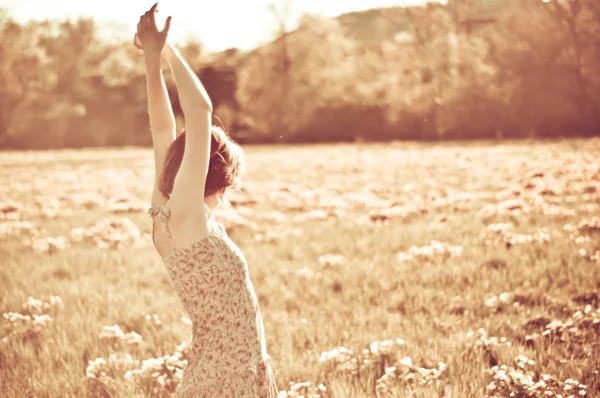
147	23
148	20
142	23
167	25
152	21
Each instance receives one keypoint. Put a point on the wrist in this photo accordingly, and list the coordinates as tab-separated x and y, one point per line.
152	57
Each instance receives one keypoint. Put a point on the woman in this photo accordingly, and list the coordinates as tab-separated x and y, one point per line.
228	356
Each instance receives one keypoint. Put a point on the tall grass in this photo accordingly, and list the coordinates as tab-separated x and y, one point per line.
455	270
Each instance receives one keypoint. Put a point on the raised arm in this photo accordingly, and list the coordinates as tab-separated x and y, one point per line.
187	197
162	120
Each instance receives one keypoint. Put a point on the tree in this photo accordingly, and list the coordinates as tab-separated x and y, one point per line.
546	53
282	98
26	81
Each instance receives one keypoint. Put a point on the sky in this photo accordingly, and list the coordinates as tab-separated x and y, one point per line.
218	24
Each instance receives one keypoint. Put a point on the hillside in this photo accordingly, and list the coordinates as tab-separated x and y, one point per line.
381	24
376	24
367	26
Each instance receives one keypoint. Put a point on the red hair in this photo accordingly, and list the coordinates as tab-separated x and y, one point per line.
225	166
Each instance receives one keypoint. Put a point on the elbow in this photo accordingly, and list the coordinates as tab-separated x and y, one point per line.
209	107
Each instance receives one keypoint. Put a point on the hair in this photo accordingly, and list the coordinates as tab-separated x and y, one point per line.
226	164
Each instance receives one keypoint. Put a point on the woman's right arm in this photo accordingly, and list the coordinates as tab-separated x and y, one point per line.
187	197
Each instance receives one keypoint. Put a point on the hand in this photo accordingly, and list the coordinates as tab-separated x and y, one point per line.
148	38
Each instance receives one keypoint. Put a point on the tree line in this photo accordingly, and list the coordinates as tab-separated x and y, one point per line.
529	69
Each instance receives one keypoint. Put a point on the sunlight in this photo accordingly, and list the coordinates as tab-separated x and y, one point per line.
213	23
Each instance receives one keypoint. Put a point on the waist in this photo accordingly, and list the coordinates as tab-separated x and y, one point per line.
241	340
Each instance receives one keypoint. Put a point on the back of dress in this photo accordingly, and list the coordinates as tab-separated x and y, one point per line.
228	355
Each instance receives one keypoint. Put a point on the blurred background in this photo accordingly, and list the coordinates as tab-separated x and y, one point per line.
307	71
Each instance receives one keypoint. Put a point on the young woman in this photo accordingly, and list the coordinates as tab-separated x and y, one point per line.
228	356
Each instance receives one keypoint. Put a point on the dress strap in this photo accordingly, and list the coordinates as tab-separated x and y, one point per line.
163	214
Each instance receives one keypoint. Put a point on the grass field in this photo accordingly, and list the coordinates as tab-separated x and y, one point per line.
396	270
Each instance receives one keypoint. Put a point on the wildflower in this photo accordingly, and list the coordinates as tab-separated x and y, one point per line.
152	319
114	333
434	250
49	245
331	260
113	233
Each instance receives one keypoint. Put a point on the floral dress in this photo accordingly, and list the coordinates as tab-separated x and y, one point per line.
228	356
